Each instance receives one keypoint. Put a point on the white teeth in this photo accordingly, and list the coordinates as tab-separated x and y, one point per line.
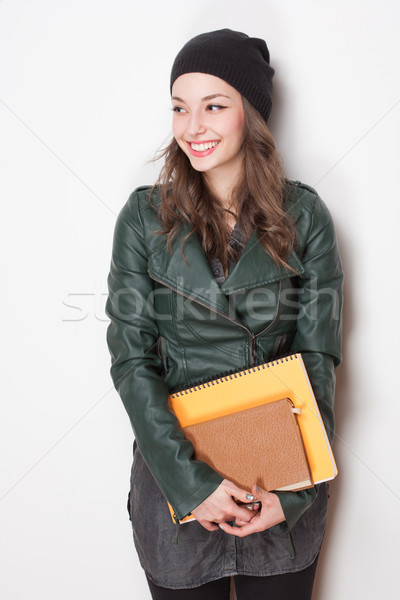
203	147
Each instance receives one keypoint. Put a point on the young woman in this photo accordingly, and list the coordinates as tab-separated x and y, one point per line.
221	265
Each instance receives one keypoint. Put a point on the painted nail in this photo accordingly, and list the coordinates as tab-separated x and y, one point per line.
257	488
220	526
249	497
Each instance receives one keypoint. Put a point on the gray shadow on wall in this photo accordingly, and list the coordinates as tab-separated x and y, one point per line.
342	408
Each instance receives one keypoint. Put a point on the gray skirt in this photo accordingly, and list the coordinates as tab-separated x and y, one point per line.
200	556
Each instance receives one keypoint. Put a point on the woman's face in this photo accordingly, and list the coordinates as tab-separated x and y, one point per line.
208	124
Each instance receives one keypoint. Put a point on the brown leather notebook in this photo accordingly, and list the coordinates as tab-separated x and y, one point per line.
261	445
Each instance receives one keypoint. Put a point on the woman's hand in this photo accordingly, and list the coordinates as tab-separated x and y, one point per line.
220	506
270	514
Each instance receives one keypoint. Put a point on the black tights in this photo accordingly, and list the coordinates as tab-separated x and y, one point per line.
289	586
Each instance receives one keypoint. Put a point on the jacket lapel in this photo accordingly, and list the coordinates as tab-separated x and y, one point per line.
256	268
194	278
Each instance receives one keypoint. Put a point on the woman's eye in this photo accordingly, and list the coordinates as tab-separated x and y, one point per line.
215	107
177	109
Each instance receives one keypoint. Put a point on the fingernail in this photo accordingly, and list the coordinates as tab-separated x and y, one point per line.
257	488
220	526
249	497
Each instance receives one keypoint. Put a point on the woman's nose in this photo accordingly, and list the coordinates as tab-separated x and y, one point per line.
196	124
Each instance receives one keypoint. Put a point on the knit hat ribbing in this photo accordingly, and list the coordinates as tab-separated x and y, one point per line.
238	59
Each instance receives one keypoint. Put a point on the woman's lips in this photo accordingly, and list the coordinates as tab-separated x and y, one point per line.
201	149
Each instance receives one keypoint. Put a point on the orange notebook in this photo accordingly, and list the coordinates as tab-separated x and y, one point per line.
282	378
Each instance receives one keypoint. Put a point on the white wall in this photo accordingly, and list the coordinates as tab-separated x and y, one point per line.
84	103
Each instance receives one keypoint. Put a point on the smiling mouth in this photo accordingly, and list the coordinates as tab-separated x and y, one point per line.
203	148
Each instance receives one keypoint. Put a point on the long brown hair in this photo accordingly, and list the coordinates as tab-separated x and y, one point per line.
258	197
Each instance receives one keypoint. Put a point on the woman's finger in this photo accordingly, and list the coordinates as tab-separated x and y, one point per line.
238	493
240	531
240	523
240	513
208	525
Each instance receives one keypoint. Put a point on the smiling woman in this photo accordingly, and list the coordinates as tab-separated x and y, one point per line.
209	129
194	257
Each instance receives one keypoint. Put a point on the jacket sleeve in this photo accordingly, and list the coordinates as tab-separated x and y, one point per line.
318	331
136	370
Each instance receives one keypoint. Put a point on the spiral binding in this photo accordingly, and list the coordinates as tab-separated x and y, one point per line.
233	375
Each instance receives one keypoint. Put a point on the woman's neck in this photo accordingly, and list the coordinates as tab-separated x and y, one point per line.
222	188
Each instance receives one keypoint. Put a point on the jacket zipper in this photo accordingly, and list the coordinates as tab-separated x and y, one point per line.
253	350
252	336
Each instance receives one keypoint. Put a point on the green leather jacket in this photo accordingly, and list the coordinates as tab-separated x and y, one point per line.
172	325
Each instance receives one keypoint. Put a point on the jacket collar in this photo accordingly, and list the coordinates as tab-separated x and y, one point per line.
194	278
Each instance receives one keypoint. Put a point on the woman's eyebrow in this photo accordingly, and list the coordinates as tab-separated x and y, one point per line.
205	99
214	96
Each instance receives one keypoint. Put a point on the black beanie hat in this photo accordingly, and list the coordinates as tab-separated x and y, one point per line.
238	59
